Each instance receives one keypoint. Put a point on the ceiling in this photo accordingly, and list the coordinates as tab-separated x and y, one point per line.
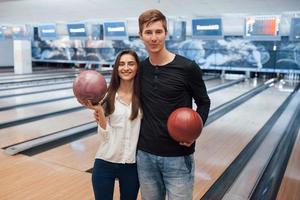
60	11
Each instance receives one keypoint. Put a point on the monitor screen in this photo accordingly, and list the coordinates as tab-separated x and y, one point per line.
262	28
207	28
115	31
47	31
179	31
2	37
7	32
97	31
77	31
295	29
21	32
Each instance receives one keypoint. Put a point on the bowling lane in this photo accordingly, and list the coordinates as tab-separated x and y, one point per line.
215	82
52	86
222	140
290	185
36	110
35	89
27	81
243	185
72	154
34	75
222	96
20	133
27	178
79	154
31	98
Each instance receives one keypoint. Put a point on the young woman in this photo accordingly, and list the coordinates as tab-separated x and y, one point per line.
119	119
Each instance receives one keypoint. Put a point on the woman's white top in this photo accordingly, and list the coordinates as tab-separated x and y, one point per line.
118	142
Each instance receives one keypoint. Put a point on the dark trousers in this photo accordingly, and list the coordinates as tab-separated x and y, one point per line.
103	179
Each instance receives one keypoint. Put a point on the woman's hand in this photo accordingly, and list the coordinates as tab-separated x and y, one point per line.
86	103
98	112
100	116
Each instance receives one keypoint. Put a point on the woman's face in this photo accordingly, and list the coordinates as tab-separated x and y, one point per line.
127	67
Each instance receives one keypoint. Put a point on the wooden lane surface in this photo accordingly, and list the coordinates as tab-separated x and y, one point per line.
37	78
214	82
290	185
34	110
76	155
35	89
11	101
247	179
26	178
222	96
80	154
38	128
34	75
222	141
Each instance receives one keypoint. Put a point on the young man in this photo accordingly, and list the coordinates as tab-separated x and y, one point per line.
168	81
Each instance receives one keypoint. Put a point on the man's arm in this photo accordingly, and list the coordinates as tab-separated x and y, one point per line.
198	91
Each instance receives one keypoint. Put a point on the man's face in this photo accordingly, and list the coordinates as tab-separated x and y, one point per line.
154	36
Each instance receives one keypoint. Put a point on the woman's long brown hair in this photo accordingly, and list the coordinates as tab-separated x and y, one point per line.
109	100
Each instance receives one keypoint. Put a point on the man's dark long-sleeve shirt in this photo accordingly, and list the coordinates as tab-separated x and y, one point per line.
164	89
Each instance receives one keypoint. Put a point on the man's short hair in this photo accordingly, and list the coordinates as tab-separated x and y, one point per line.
150	16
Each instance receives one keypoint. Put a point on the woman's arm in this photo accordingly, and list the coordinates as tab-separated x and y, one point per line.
98	112
99	116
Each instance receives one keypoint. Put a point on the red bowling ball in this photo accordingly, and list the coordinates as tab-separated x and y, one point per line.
89	85
184	125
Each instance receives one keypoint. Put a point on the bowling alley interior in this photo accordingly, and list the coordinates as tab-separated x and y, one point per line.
249	56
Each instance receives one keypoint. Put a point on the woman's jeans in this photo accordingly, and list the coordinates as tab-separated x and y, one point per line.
103	179
158	175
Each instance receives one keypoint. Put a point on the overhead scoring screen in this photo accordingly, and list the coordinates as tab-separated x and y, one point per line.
77	31
262	28
207	28
115	31
295	29
21	32
47	31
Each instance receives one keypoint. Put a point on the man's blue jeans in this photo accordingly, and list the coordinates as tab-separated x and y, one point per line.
158	175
